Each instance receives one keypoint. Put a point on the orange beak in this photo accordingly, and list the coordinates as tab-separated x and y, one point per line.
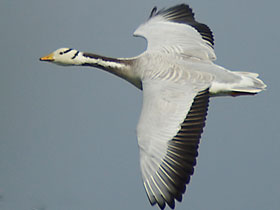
47	58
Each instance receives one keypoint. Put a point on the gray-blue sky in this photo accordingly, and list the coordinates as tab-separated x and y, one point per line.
67	135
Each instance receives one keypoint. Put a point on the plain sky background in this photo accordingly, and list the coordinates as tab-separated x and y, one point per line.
68	135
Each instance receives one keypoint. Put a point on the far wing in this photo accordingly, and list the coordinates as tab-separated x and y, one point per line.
175	30
169	129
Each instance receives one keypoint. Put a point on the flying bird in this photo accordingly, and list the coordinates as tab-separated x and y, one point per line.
177	75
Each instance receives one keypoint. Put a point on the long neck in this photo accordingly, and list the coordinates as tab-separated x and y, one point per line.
120	67
103	62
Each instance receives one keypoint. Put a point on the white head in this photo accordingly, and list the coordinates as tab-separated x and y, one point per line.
63	56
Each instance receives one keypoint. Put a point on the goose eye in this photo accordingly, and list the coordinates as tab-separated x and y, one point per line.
60	53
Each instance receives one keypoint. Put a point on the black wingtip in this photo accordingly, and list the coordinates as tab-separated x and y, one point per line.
183	13
153	12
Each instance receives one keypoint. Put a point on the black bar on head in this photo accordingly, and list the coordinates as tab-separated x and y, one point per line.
76	54
66	51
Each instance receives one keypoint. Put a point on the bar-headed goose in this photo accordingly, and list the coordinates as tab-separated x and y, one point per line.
177	76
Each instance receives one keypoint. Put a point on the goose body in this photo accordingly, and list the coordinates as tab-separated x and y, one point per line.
177	76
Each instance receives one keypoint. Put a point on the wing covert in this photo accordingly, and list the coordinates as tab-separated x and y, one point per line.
169	129
183	14
175	30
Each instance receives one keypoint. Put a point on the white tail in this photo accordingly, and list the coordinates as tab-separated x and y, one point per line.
248	84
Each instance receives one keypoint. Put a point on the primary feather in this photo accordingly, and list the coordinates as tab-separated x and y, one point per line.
177	76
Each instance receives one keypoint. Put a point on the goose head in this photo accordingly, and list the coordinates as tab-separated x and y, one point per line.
63	56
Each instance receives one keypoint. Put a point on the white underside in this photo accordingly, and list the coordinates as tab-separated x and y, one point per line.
249	83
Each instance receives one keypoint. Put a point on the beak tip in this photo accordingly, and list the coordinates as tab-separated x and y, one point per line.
47	58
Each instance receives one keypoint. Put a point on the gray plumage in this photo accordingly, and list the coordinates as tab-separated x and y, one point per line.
177	76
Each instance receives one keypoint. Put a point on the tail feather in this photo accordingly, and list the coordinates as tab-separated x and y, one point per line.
248	84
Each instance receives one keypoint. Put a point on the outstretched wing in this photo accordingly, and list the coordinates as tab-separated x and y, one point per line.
175	30
169	129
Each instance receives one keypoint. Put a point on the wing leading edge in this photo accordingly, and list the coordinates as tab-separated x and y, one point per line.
167	163
175	30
